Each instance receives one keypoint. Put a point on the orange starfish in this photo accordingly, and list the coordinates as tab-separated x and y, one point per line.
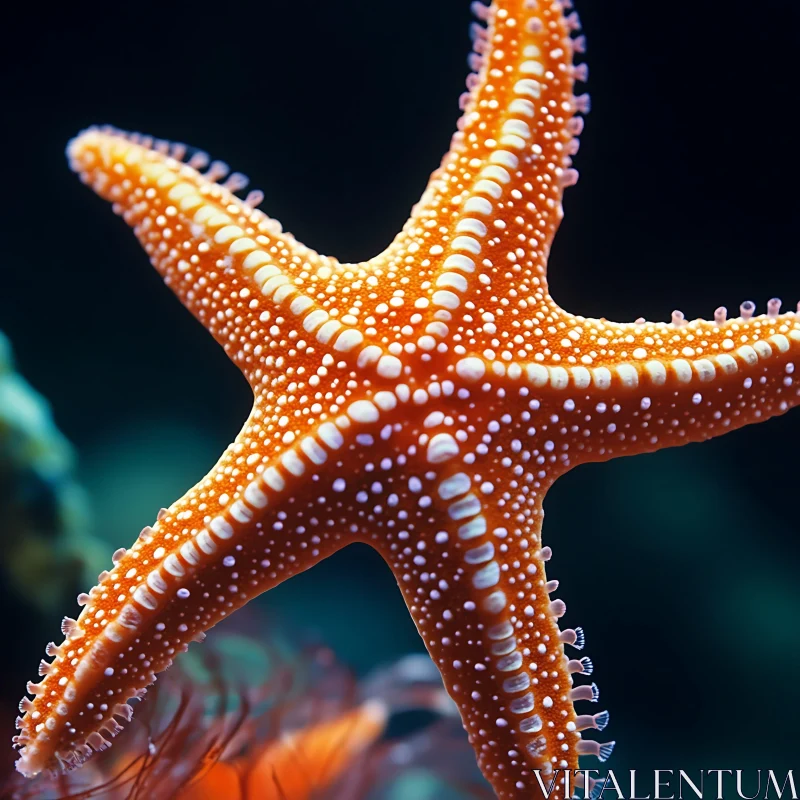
423	402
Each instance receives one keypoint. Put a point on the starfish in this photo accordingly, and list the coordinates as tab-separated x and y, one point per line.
422	402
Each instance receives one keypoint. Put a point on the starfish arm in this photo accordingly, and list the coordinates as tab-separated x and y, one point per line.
264	513
469	560
230	264
484	226
628	389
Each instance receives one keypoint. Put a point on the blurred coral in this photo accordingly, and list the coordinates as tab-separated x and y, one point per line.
43	511
305	729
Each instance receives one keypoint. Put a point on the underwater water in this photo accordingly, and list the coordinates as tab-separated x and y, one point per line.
681	566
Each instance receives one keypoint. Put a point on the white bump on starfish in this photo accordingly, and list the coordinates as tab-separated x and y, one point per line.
442	447
471	369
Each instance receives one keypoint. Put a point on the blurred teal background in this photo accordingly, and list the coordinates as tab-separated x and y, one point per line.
681	566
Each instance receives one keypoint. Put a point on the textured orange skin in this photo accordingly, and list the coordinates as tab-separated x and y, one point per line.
532	428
